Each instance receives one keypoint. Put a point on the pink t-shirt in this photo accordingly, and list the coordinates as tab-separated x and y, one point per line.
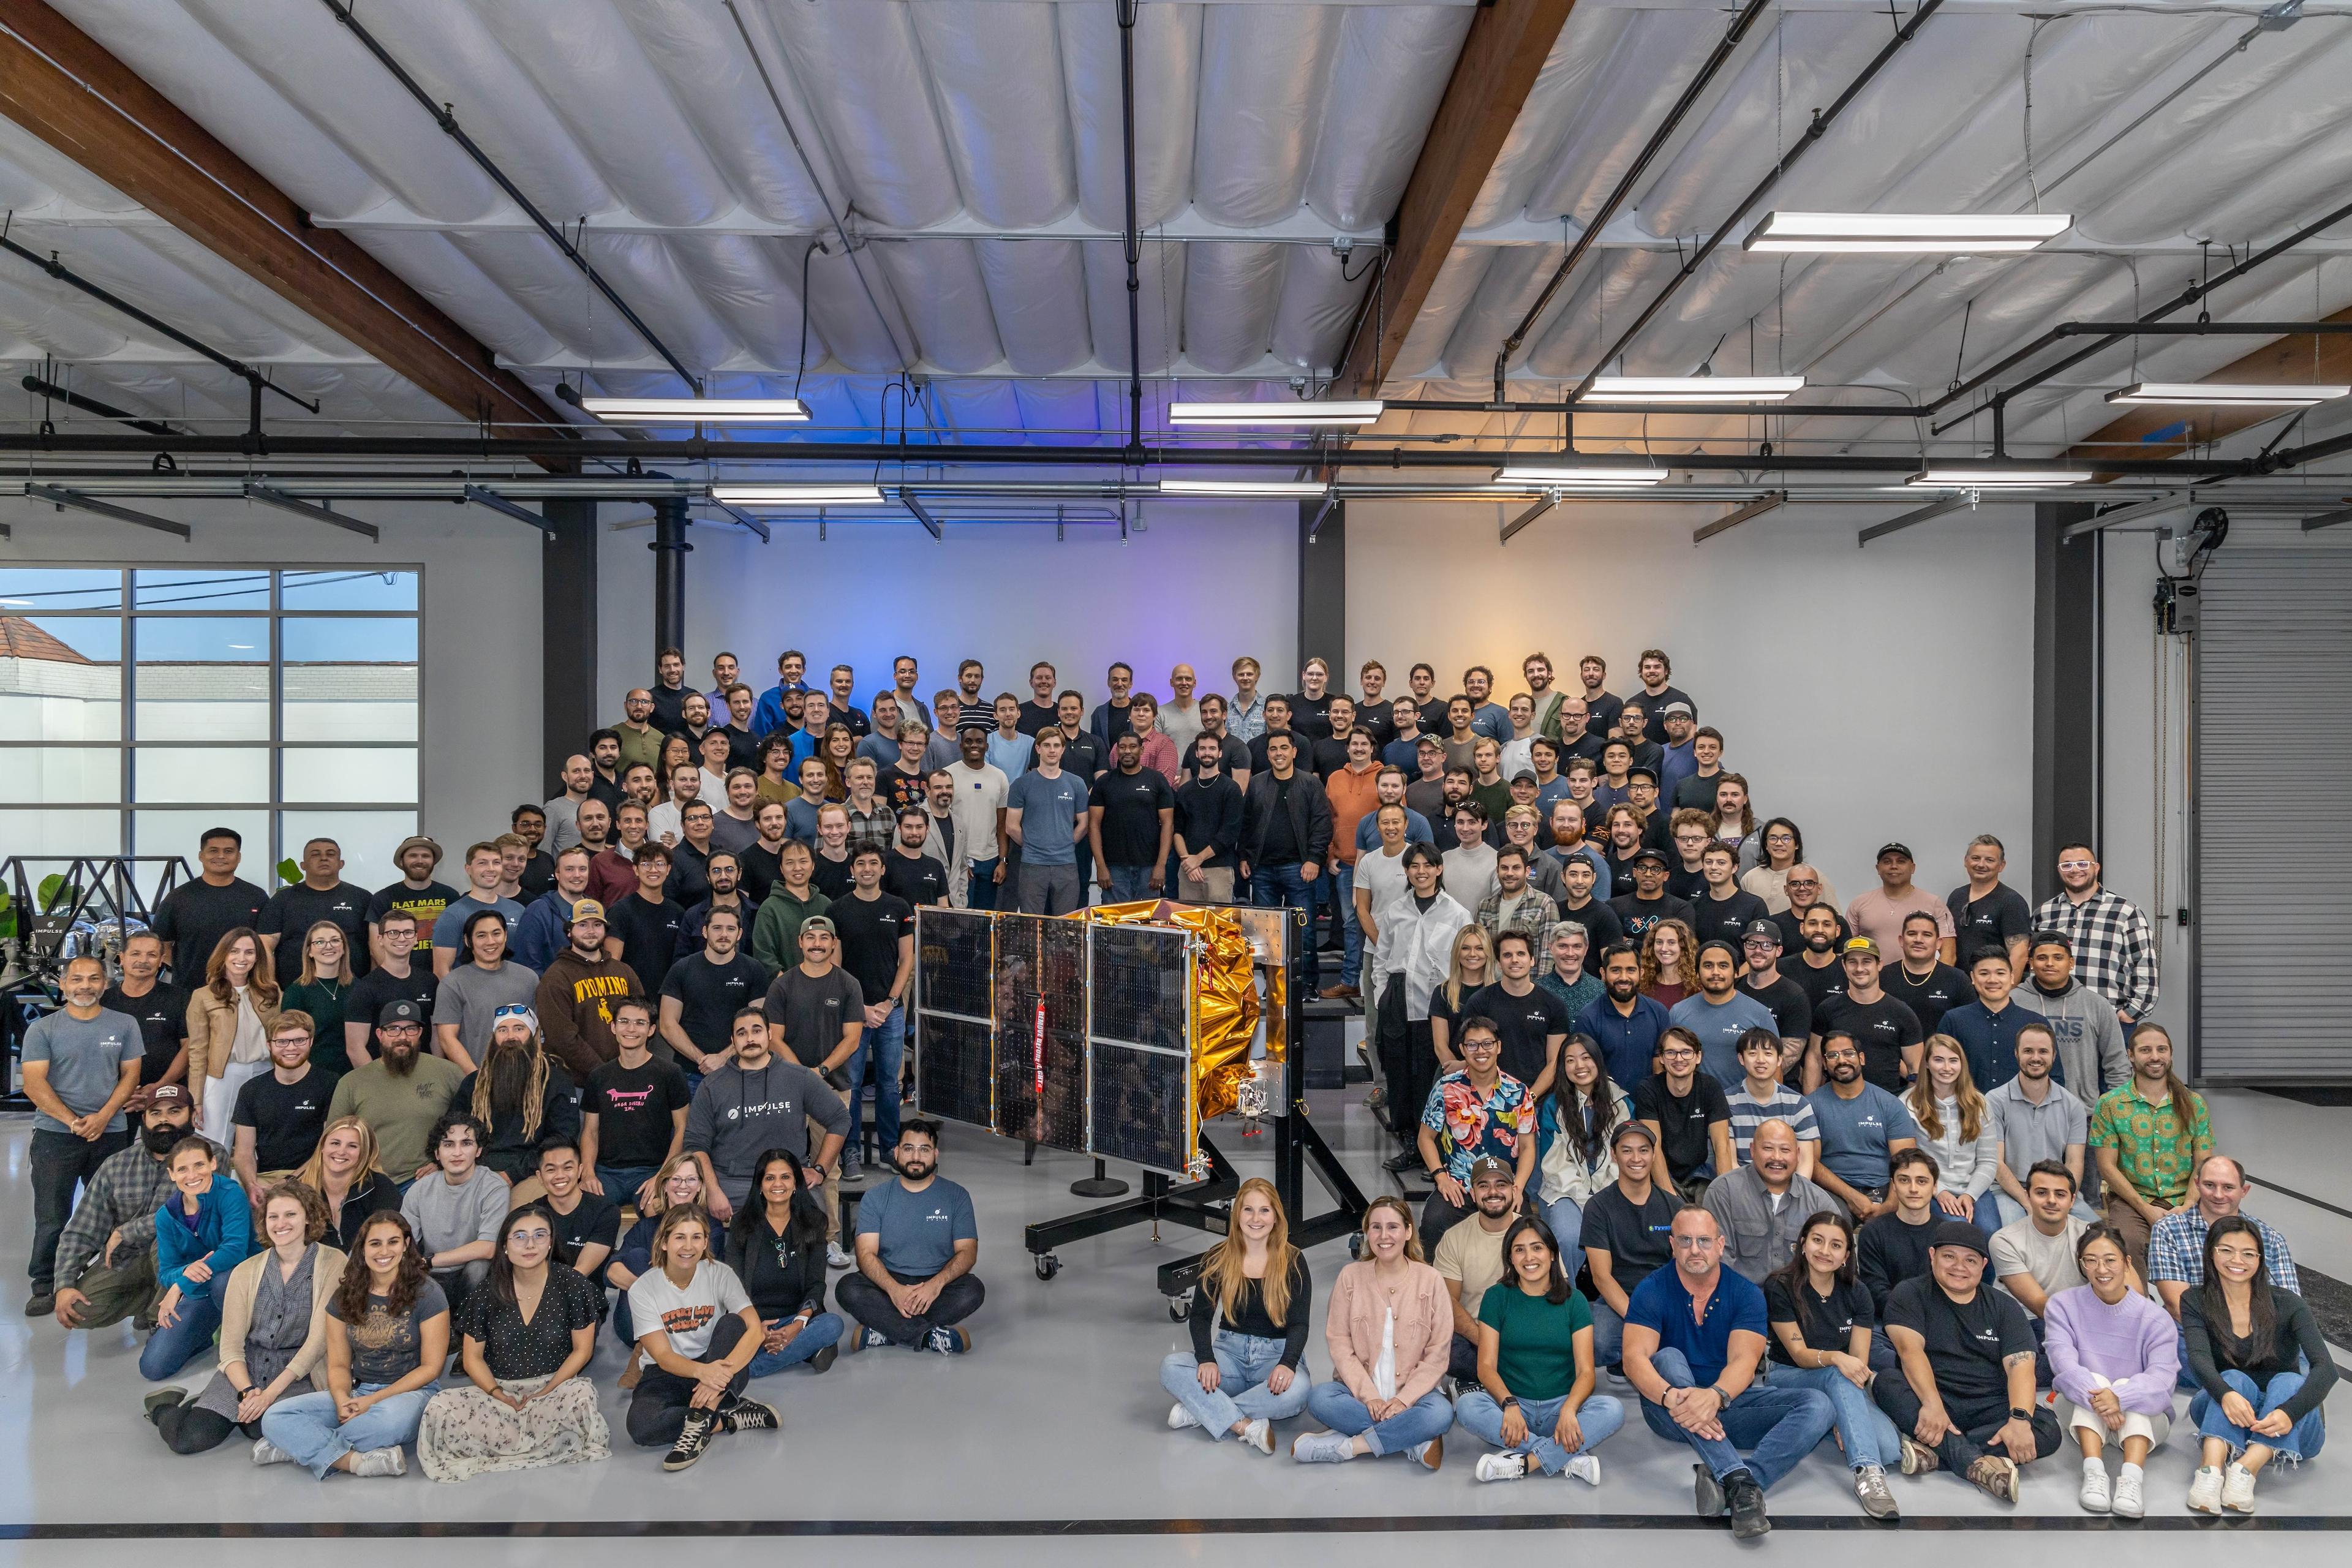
1880	917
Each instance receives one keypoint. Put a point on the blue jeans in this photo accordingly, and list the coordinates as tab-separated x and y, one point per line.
886	1044
1779	1427
1351	935
1608	1334
306	1428
1243	1364
980	893
175	1344
1868	1434
1423	1419
2301	1442
1566	1218
1282	886
622	1181
1600	1415
823	1329
1127	884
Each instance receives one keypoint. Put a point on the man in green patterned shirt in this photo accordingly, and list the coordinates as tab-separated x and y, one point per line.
2148	1136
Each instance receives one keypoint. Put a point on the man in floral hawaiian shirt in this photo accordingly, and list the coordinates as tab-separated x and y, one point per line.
1479	1111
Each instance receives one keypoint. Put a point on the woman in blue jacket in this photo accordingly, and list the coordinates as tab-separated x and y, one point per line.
204	1230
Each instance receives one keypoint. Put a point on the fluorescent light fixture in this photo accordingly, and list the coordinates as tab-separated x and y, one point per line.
1284	416
1897	232
2000	478
1693	388
697	410
797	495
1243	487
2243	394
1580	477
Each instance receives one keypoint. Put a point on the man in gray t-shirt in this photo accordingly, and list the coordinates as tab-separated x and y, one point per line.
817	1006
469	995
80	1063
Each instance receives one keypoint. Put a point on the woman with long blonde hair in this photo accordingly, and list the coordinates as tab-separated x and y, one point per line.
230	1017
1391	1335
343	1170
1669	962
1956	1127
1246	1369
1469	970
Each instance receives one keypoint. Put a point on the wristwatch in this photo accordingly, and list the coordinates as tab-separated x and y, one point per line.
1511	1402
2016	1414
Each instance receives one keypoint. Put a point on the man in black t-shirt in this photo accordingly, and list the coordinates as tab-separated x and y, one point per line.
1721	912
399	976
1791	1009
816	1007
1685	1109
632	1114
1656	694
1531	1022
1815	969
195	916
588	1223
1625	1231
1986	912
1922	982
160	1006
646	931
1803	888
1601	926
1887	1031
280	1114
1130	819
321	895
703	991
1964	1397
913	874
878	948
1648	904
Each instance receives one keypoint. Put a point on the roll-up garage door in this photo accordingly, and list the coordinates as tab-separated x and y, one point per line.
2273	793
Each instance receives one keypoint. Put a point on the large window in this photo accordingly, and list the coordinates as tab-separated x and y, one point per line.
139	706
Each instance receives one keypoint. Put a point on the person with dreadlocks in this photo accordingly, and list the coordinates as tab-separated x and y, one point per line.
521	1093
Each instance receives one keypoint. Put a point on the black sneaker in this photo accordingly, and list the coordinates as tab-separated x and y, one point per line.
749	1415
822	1360
40	1303
701	1426
1747	1498
1709	1493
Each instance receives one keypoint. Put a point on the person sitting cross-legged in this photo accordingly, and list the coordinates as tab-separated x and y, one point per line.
1534	1401
1693	1345
1247	1366
1965	1386
2262	1370
778	1245
204	1230
1822	1321
1389	1330
2114	1359
699	1327
917	1243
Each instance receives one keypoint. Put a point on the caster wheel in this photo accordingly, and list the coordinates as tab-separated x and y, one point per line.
1179	1308
1048	1266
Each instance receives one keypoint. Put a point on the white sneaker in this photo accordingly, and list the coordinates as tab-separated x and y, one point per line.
2205	1490
265	1452
1179	1419
2238	1489
1259	1435
2128	1503
1429	1455
1585	1468
378	1462
1501	1466
835	1258
2097	1496
1321	1447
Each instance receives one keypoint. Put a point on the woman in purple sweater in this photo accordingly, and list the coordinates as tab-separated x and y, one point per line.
2115	1357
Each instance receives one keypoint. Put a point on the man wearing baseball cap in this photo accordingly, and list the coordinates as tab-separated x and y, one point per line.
1878	914
106	1257
1649	903
1791	1009
576	994
1887	1031
1965	1399
1469	1258
402	1093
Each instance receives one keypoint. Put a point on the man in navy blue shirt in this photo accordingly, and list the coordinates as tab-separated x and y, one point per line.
1695	1341
1625	1022
1988	1027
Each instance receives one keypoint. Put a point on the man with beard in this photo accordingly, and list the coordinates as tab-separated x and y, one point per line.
539	935
1640	910
1817	971
401	1094
396	977
1862	1128
1791	1009
723	891
575	996
917	1243
519	1095
1469	1258
1626	1024
106	1258
1923	982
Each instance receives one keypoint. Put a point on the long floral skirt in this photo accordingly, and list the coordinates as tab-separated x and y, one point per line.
465	1433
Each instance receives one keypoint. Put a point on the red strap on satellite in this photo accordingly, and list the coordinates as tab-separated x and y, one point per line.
1037	1051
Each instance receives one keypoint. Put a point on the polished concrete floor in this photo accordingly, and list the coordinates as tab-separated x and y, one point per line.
1048	1437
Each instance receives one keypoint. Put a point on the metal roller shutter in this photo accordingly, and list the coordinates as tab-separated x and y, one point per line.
2274	759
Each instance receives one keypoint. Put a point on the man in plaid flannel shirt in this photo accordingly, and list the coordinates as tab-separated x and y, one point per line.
2114	950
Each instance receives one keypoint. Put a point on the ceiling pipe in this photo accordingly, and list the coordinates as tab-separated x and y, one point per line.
1811	136
1131	236
92	405
1617	197
445	117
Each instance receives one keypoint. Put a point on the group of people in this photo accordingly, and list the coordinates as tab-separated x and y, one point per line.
1645	1060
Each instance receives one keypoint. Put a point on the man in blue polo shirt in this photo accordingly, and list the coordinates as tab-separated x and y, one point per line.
1624	1023
1695	1341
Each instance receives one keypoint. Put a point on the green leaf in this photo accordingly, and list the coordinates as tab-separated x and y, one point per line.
288	872
54	894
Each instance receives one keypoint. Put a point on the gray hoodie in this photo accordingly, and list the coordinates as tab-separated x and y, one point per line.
2091	1057
741	1113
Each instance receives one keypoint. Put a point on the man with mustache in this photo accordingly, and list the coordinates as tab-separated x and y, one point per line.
401	1094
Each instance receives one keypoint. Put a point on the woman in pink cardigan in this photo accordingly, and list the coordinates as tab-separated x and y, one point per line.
1390	1331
